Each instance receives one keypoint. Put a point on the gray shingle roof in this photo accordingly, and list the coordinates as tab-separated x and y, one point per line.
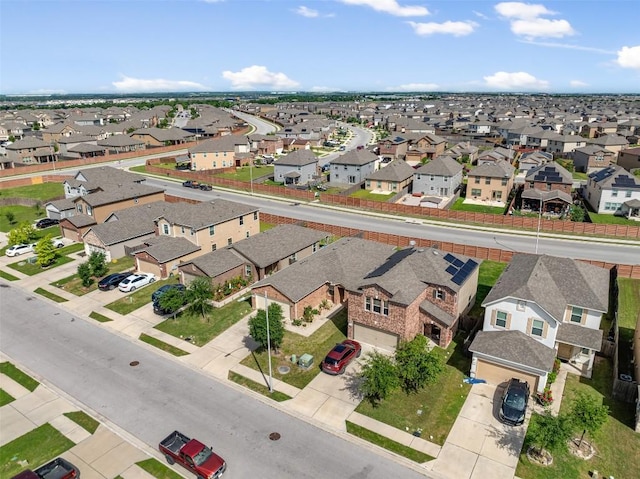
167	248
439	314
119	193
297	158
497	169
220	144
120	140
397	170
355	158
205	214
81	220
514	347
441	166
577	335
552	283
216	262
550	173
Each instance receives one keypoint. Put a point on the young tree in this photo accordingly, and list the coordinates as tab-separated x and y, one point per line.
588	414
258	326
23	233
199	295
379	378
171	301
46	251
84	271
548	432
11	217
416	365
98	264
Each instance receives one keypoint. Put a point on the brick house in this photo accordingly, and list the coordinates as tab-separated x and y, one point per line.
592	158
393	148
547	189
490	181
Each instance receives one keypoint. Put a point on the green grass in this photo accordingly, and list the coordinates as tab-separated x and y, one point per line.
489	273
597	218
8	276
26	381
73	283
266	226
145	338
628	302
244	174
42	192
99	317
50	295
579	176
5	397
616	443
334	331
202	330
139	169
158	470
37	447
367	195
31	269
492	210
439	402
257	387
138	298
82	419
386	443
21	214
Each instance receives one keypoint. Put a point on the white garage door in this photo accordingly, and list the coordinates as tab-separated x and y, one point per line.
498	374
260	304
375	337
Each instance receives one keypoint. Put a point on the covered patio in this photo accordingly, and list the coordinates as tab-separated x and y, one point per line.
550	203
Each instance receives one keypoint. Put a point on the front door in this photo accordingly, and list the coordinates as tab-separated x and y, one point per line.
565	351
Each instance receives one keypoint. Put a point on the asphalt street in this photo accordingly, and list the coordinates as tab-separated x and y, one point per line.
150	400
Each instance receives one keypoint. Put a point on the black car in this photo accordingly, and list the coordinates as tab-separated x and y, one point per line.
112	281
514	402
205	187
155	297
46	223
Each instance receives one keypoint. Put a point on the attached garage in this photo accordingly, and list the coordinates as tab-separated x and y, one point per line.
497	374
149	267
259	303
375	337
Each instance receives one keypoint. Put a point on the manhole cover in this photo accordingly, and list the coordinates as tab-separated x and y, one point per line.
284	369
274	436
134	363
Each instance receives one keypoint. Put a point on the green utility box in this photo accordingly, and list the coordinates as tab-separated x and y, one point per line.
305	361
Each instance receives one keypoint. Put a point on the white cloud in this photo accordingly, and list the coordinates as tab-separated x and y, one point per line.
578	83
515	81
569	46
415	87
457	29
258	77
392	7
480	15
307	12
526	21
128	84
629	57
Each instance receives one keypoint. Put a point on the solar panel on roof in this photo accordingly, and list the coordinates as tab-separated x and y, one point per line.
458	263
459	278
451	269
449	258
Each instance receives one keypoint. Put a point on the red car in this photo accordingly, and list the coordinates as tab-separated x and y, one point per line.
340	356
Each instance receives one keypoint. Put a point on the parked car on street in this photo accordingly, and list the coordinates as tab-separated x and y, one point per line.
340	356
59	468
18	249
514	402
112	281
135	281
205	187
191	184
46	223
193	455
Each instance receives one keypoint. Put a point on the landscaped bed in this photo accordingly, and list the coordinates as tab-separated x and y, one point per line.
73	283
30	268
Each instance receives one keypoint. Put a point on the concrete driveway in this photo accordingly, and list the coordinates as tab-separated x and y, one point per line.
479	445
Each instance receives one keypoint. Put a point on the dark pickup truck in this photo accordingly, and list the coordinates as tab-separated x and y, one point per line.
193	455
57	469
191	184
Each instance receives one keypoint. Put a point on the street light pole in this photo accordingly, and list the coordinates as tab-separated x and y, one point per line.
539	221
266	308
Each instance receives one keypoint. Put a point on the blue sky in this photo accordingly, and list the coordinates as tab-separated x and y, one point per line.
130	46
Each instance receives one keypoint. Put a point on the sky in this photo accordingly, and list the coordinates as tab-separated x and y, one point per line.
147	46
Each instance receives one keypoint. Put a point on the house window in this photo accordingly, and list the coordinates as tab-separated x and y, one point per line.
487	181
182	229
476	192
367	303
255	216
213	247
504	181
247	234
576	315
627	194
537	327
79	208
379	184
193	231
89	210
165	229
501	319
247	270
477	180
614	193
439	294
315	247
229	241
212	230
241	220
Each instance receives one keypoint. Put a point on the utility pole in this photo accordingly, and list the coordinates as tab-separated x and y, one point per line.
266	308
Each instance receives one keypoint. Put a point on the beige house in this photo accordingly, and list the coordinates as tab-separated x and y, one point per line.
221	152
390	179
490	181
101	204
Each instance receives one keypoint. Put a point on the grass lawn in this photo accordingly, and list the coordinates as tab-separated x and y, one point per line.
140	168
130	302
26	381
99	317
460	206
37	447
367	195
387	443
257	387
318	344
616	443
30	269
50	295
42	192
73	283
610	219
579	176
628	313
158	470
168	348
82	419
489	273
246	173
266	226
8	276
5	397
21	214
202	330
440	402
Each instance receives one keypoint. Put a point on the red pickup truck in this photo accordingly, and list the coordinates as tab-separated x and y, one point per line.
57	469
193	455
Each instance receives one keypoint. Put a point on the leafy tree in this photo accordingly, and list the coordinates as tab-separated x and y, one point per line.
416	365
379	378
11	217
171	301
199	295
23	233
98	264
549	432
46	251
84	271
576	213
588	413
258	326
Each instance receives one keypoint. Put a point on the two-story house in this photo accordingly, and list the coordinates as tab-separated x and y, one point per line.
609	189
561	145
101	203
221	152
425	145
31	150
393	148
540	307
490	181
440	177
296	168
390	179
547	189
163	136
352	167
629	159
591	158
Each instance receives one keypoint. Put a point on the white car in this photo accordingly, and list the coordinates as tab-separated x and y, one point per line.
135	281
57	243
18	249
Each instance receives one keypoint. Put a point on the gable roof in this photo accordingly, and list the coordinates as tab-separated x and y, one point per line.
220	144
397	170
119	193
514	347
615	177
205	214
167	248
297	158
498	169
441	166
550	173
216	262
355	158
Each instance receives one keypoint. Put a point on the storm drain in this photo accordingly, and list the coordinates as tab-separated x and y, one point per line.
134	363
274	436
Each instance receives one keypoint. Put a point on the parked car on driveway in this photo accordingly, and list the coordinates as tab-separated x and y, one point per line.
46	223
59	468
18	249
112	281
340	356
193	455
57	242
514	402
135	281
163	289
